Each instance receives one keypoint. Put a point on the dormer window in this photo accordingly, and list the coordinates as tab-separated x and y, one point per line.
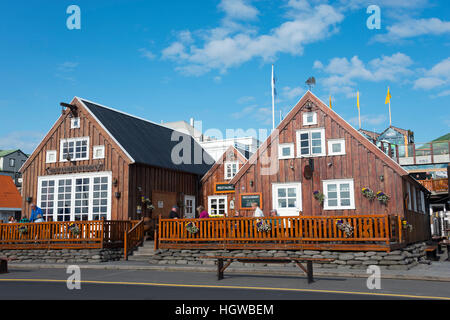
75	123
309	118
231	168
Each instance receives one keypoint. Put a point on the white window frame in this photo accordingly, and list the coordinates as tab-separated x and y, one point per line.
186	206
61	149
331	142
73	125
94	152
305	118
210	198
338	182
230	163
281	146
310	132
73	177
287	211
49	153
422	196
12	162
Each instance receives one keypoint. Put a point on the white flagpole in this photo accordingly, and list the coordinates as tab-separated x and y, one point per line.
273	101
390	117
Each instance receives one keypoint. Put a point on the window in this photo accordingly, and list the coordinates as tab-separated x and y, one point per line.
339	194
309	118
311	143
217	205
422	196
50	156
75	123
231	168
286	198
79	197
99	152
336	147
74	149
12	162
285	151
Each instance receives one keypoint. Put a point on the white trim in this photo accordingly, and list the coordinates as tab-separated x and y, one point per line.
72	123
330	147
10	209
94	152
305	116
217	198
225	171
61	158
47	155
104	128
298	205
338	182
281	146
72	177
310	131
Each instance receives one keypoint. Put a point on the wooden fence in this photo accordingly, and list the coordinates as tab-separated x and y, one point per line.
369	232
133	238
64	235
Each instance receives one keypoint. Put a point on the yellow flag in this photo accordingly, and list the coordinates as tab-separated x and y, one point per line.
357	99
331	107
388	97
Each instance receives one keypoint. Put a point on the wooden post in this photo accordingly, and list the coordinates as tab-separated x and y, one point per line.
309	268
156	239
397	152
432	152
414	152
400	235
125	249
219	269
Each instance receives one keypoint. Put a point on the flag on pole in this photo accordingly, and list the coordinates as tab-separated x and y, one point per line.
331	107
357	99
388	97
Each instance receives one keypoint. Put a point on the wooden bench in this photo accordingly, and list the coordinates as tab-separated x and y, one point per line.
431	252
308	270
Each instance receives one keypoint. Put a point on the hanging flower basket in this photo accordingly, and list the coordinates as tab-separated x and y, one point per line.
319	196
191	228
262	226
74	229
368	193
407	226
382	197
148	203
344	227
23	230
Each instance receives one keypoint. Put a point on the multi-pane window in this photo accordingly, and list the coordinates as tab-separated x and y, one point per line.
50	156
75	197
286	198
75	149
75	123
98	152
217	205
311	142
309	118
336	147
285	151
339	194
231	168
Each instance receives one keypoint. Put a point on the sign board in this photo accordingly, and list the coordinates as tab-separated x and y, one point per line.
160	204
223	187
246	200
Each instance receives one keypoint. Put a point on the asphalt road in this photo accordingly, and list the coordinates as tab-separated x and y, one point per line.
51	284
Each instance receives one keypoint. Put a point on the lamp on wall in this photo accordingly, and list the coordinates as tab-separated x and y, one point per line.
115	182
382	178
29	199
117	194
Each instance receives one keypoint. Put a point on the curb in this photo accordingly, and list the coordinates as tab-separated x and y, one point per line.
230	270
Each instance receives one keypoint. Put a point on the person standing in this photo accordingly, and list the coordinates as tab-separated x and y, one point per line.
203	214
174	213
35	211
258	213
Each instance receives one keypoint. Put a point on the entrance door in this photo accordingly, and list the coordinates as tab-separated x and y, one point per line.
189	207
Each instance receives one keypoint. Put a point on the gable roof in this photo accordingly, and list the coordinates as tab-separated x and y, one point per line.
222	160
147	142
399	130
371	134
309	96
9	195
4	153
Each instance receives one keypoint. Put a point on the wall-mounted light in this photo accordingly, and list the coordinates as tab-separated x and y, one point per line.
117	195
115	182
330	164
29	199
382	178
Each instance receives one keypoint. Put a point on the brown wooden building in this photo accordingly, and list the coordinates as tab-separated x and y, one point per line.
97	162
217	193
315	154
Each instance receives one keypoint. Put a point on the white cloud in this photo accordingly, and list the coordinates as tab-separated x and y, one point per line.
413	28
291	93
368	120
26	141
245	99
230	45
147	54
437	76
238	9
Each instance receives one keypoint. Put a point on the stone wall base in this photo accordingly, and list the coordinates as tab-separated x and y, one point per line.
63	255
402	259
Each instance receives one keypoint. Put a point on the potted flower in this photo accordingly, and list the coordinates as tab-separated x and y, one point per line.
368	193
191	228
344	227
148	203
262	226
74	229
382	197
23	230
319	196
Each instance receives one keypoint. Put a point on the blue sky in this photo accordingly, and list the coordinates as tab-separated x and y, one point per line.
211	60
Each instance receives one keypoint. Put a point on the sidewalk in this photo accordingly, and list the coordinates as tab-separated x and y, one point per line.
437	271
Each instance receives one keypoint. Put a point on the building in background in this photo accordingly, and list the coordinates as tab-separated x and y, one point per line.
213	146
10	199
10	163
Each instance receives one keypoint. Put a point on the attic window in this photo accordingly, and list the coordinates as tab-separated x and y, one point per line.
309	118
75	123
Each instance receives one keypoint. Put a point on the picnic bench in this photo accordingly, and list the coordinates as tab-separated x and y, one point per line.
229	259
431	252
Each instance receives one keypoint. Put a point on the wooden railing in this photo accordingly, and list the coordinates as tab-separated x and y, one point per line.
133	238
436	185
60	235
421	230
370	232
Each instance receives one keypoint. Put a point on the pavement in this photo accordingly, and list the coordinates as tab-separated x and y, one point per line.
436	271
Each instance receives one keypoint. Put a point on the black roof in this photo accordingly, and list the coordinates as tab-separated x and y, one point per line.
149	143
